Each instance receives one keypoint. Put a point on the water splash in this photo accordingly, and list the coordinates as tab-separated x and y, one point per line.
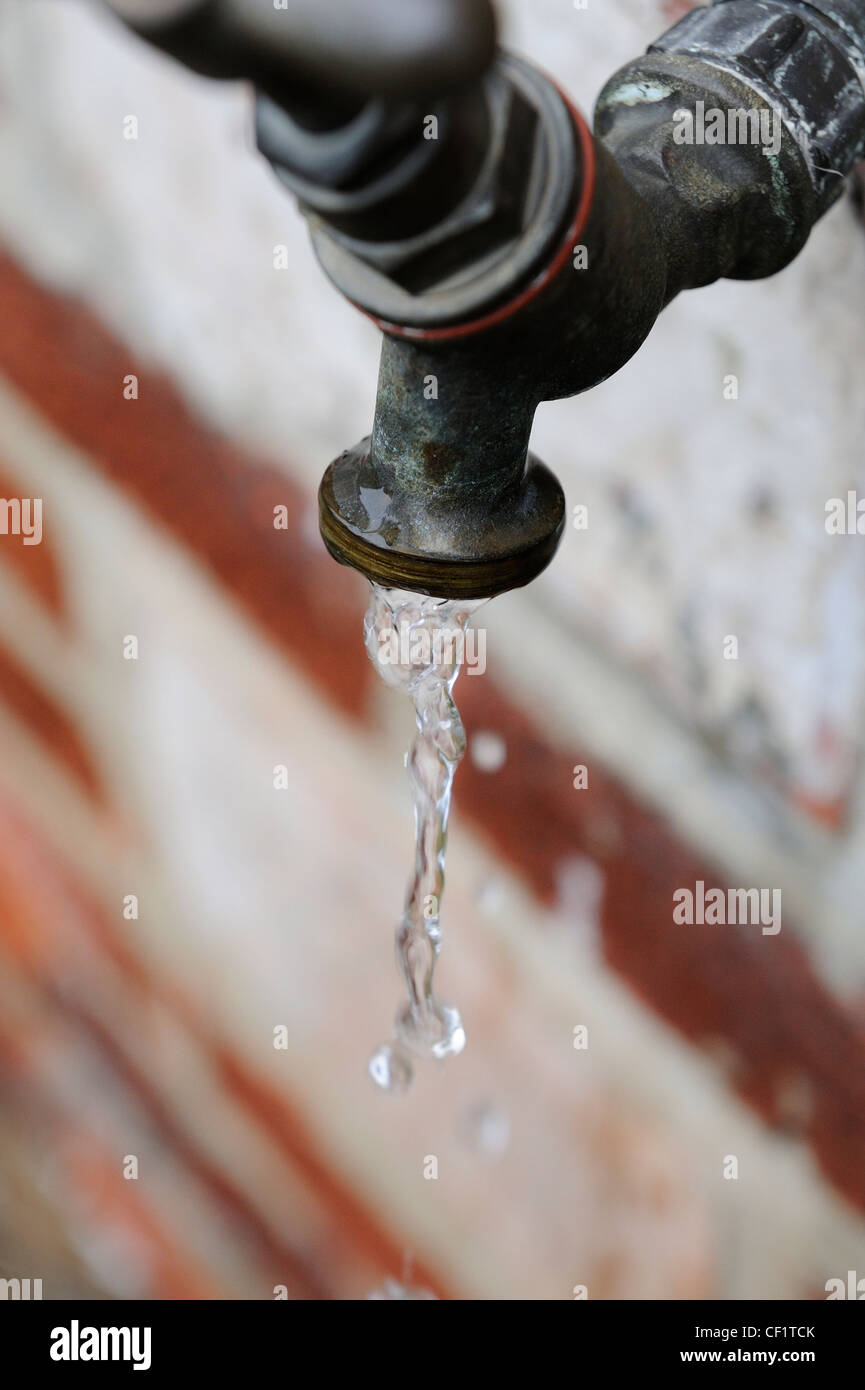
418	644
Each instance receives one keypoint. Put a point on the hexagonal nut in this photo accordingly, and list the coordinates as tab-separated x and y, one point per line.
492	216
494	239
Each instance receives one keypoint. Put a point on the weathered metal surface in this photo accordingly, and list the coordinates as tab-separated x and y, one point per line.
332	46
451	246
800	62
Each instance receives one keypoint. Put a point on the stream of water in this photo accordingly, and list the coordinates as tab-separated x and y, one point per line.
418	644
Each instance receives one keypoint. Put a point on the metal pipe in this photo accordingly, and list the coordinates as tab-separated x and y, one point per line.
652	214
509	255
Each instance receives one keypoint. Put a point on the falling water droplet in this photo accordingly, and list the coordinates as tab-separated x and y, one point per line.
490	895
390	1069
417	645
391	1289
488	751
438	1032
486	1129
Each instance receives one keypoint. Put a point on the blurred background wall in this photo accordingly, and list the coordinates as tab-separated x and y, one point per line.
164	907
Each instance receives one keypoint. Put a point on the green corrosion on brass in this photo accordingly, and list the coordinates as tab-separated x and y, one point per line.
444	496
443	500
